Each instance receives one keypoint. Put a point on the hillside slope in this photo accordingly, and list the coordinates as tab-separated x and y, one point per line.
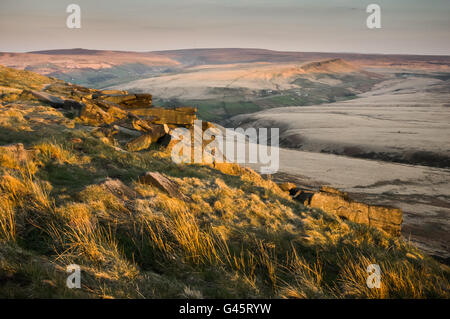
73	194
222	91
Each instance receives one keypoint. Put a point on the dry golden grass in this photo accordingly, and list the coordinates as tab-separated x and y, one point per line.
61	154
241	236
7	220
399	279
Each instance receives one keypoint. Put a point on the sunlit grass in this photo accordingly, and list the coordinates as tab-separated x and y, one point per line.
240	236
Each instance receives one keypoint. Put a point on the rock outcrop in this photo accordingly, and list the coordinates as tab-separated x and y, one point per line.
132	117
127	101
140	143
334	201
46	98
180	116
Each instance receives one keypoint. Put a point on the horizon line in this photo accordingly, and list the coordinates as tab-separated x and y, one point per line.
229	48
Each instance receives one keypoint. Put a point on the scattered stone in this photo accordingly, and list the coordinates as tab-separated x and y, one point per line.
287	186
127	101
147	126
141	143
119	189
163	183
94	115
127	131
77	140
154	129
105	92
97	116
47	98
178	116
153	133
81	89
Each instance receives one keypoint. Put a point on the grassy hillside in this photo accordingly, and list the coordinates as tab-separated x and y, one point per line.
239	236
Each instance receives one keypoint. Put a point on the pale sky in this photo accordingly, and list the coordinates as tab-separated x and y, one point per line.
408	26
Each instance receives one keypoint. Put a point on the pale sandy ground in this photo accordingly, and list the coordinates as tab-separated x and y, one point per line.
373	121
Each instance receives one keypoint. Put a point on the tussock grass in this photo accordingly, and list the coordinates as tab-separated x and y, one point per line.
51	151
7	220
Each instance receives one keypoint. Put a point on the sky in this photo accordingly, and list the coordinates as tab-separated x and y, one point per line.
407	26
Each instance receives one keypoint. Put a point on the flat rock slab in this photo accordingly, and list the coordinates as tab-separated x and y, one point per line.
48	98
333	201
179	116
128	101
141	143
163	183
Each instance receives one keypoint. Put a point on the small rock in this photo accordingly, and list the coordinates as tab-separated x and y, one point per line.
127	131
47	98
141	143
97	116
113	92
287	186
159	115
163	183
301	195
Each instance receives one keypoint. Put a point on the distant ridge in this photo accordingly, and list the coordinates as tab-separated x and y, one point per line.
103	68
330	66
76	51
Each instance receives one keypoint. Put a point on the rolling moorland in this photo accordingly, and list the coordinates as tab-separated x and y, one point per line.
223	83
229	232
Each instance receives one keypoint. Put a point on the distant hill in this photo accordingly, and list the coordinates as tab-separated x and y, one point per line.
228	81
243	55
82	65
222	91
